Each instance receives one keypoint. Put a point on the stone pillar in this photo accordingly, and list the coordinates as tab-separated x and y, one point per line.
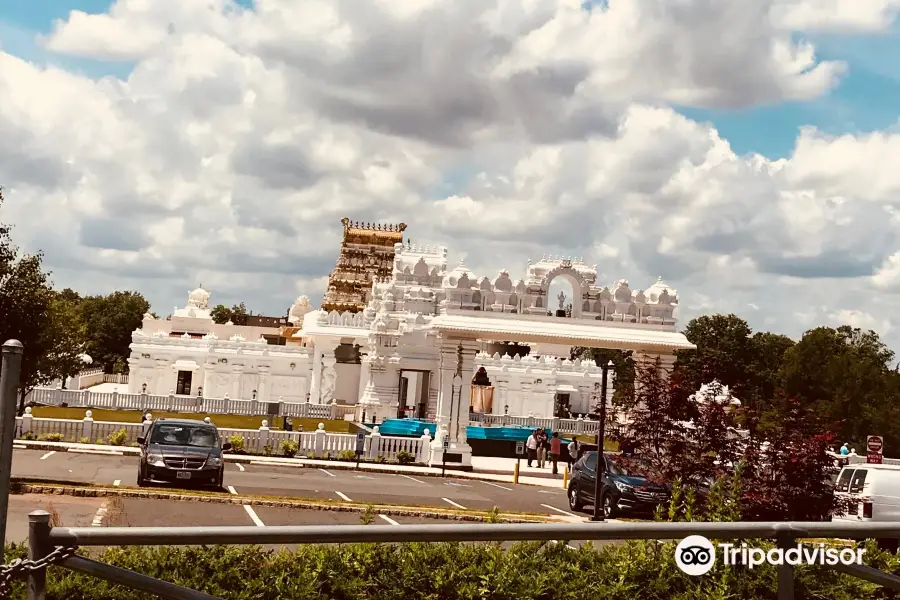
321	389
316	379
329	377
235	382
262	392
453	408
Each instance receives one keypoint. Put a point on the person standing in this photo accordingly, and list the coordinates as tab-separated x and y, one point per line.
555	451
542	448
573	451
531	446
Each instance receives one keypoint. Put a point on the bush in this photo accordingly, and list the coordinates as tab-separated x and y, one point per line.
50	437
237	443
347	455
289	448
406	458
119	438
29	436
526	571
84	440
381	460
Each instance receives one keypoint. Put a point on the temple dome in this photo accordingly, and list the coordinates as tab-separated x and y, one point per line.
198	298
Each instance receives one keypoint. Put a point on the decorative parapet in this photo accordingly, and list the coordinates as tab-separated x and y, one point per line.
544	363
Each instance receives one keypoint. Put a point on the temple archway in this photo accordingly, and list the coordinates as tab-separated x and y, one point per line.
570	282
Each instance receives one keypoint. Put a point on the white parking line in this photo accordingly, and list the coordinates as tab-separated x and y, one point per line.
559	510
389	520
457	484
412	478
253	516
232	490
327	473
117	482
240	466
497	486
48	455
98	518
448	500
343	496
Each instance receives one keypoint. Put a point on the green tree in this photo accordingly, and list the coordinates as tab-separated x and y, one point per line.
237	314
845	376
220	314
724	353
109	321
623	369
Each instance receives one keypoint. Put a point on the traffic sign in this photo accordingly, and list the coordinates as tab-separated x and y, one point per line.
446	444
874	458
360	441
875	443
520	447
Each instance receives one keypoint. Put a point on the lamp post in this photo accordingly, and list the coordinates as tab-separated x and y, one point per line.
601	438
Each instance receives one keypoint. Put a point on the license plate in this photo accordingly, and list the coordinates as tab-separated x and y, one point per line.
183	475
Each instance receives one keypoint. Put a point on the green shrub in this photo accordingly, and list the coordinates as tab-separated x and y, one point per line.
347	455
29	436
50	437
406	458
524	571
237	443
267	450
381	460
84	440
368	516
118	438
289	448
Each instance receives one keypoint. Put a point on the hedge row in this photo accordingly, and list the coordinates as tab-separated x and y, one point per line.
526	571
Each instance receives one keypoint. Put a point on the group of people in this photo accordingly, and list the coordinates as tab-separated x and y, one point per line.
539	445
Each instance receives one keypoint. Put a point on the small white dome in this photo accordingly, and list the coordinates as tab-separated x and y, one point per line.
198	298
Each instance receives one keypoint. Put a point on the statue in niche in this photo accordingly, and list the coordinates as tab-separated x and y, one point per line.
328	380
562	300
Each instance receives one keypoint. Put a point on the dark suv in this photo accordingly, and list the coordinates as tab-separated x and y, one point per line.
183	451
620	490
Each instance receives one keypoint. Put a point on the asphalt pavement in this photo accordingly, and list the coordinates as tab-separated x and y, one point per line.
261	479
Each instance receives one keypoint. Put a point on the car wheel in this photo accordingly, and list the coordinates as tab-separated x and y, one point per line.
141	481
609	509
220	480
574	500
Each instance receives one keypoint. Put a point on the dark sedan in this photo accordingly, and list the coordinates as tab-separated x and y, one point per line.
181	451
621	491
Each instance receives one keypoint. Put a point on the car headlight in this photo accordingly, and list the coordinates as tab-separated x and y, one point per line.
623	487
213	461
156	460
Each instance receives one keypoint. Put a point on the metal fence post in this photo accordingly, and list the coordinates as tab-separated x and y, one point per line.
9	390
785	571
38	548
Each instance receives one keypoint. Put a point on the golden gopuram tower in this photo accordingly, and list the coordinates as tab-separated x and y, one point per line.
367	251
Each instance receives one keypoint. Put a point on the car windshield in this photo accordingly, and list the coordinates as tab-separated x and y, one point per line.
184	435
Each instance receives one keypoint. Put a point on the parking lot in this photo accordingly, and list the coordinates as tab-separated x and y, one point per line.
259	478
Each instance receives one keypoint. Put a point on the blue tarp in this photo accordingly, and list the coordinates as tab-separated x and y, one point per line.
416	428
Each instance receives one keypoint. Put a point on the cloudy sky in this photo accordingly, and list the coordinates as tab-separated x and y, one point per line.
746	150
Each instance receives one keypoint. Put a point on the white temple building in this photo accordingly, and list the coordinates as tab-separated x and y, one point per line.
191	355
415	347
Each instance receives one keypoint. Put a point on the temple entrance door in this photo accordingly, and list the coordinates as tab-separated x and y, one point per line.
412	400
561	408
183	385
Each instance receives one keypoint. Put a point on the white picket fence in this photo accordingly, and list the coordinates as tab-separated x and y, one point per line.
318	443
185	404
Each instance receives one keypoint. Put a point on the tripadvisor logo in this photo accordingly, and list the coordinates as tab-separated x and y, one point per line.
696	555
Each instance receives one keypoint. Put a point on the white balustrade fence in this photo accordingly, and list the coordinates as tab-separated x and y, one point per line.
185	404
264	440
570	426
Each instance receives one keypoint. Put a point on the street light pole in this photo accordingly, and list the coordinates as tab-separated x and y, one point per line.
601	439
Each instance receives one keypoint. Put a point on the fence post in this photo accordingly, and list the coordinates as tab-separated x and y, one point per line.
333	408
375	443
227	401
85	397
425	448
9	389
87	424
148	421
171	407
785	570
26	421
264	434
115	399
38	548
320	440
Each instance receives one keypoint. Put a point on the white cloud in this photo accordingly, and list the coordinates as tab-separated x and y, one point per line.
503	128
836	15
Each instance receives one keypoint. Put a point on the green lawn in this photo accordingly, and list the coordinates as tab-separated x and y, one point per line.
228	421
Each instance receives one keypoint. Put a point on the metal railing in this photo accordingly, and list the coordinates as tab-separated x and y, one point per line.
56	546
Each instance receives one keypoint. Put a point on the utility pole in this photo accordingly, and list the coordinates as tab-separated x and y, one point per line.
601	439
9	390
